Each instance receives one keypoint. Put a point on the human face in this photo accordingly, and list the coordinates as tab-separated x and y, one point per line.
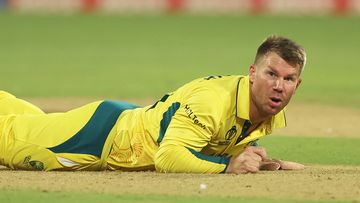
272	84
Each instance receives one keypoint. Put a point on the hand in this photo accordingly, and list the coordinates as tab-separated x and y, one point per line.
248	161
275	164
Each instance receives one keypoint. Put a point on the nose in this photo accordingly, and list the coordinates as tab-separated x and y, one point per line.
279	85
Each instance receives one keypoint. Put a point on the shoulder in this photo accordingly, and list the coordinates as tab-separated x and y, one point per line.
213	95
212	86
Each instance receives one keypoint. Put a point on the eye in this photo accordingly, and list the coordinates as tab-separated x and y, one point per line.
289	79
272	74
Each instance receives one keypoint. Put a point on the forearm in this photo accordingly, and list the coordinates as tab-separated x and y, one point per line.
179	159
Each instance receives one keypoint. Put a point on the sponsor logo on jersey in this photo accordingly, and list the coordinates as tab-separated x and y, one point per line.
189	112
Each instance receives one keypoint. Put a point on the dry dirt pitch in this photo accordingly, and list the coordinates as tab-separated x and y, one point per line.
316	182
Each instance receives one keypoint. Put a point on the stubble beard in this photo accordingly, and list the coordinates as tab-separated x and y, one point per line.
260	110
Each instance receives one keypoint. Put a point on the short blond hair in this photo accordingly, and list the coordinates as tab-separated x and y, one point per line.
287	49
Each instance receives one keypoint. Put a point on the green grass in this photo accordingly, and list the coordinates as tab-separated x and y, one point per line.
10	196
147	56
314	150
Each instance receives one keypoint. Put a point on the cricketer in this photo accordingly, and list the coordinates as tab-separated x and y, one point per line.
209	125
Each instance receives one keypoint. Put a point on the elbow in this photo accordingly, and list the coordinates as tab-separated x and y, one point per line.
167	160
160	161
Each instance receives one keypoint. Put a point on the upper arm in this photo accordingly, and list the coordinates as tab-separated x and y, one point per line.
195	122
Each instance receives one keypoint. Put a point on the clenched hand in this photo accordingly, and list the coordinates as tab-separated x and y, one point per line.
253	159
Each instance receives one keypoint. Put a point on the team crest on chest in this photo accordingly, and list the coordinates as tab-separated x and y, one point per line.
228	136
231	133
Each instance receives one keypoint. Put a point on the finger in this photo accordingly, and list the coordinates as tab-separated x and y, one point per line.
250	163
289	165
252	169
248	169
251	156
257	150
269	166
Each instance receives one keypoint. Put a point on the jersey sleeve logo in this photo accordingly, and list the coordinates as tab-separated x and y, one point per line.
189	112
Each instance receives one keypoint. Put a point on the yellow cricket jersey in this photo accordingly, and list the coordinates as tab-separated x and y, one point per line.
195	129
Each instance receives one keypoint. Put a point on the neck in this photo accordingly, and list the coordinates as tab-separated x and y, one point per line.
255	115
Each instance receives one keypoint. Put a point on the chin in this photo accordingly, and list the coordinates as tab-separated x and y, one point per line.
273	112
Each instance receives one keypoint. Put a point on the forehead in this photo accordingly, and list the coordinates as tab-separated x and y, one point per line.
275	62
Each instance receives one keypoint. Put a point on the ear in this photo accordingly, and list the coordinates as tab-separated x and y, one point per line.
298	84
252	71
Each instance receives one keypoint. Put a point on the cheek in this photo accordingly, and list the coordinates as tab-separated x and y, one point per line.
290	90
262	90
262	85
265	85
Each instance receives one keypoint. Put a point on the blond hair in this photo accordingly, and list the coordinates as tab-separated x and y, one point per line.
287	49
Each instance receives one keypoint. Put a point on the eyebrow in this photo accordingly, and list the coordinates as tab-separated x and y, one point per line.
290	75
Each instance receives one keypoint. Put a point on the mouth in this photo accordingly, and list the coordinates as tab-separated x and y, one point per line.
275	102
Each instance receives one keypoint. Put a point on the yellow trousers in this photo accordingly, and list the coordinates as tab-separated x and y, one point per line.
80	139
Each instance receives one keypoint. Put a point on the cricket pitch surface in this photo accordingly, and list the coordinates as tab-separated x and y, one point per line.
316	182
